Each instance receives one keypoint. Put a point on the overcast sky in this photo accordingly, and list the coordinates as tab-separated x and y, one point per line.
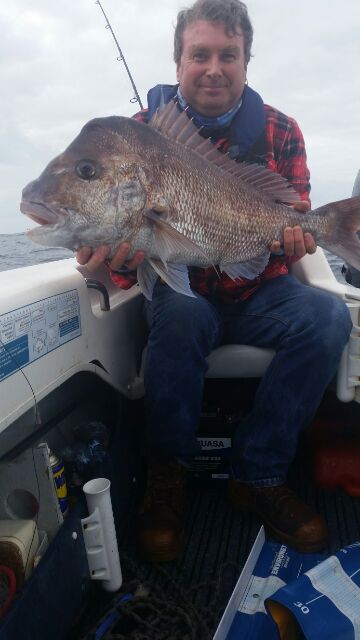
58	69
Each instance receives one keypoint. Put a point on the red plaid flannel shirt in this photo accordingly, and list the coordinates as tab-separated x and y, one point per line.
285	155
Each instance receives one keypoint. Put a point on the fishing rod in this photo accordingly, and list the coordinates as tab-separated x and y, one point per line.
121	57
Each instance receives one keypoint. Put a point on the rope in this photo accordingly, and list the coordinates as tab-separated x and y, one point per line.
162	609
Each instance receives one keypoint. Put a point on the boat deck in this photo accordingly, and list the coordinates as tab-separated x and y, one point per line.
181	600
186	598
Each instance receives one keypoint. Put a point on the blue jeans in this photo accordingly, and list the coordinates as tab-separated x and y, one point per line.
307	328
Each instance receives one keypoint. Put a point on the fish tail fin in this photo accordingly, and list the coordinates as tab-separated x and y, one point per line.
341	236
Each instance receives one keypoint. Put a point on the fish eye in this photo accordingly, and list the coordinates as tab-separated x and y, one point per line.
86	169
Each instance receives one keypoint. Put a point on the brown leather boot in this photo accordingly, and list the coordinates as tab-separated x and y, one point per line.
286	518
161	518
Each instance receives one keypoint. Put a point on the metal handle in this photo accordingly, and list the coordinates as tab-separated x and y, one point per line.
104	296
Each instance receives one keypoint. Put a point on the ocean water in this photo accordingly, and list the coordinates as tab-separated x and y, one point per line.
16	250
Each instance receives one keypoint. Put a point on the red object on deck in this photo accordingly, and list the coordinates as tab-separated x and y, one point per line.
10	575
338	466
335	456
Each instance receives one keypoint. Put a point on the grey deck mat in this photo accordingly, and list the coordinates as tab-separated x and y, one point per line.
188	596
199	584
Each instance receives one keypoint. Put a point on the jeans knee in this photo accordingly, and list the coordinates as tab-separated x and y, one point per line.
182	324
333	327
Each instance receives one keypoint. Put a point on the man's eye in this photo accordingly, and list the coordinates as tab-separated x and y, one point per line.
228	57
199	57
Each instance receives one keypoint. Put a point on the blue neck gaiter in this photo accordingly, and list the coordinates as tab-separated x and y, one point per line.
218	122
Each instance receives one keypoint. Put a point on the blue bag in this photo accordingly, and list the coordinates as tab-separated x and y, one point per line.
326	599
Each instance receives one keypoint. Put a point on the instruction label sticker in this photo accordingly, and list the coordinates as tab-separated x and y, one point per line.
32	331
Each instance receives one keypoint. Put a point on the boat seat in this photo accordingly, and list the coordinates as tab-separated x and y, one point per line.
232	361
238	361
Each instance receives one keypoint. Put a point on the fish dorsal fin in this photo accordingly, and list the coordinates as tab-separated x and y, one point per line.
176	125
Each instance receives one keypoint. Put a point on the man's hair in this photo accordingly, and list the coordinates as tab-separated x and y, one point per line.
232	13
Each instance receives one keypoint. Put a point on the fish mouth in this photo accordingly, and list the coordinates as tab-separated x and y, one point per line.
42	214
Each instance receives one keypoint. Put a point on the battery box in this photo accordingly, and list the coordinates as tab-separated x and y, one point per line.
215	433
225	404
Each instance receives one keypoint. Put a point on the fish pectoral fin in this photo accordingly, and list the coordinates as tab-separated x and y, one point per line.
175	275
248	270
146	278
168	241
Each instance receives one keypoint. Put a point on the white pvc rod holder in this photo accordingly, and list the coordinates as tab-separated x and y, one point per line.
100	536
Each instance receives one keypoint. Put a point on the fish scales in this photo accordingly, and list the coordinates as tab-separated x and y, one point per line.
121	180
210	212
223	211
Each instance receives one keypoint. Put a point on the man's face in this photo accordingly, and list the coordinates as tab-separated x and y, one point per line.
212	68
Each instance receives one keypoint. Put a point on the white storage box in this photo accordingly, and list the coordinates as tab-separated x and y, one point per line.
19	540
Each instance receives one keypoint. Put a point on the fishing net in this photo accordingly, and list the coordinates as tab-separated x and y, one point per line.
159	607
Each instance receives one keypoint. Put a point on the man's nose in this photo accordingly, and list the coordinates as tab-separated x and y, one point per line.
214	67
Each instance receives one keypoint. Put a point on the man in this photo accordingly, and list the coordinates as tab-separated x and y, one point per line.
307	328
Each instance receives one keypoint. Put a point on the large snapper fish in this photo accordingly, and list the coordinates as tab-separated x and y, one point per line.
169	192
